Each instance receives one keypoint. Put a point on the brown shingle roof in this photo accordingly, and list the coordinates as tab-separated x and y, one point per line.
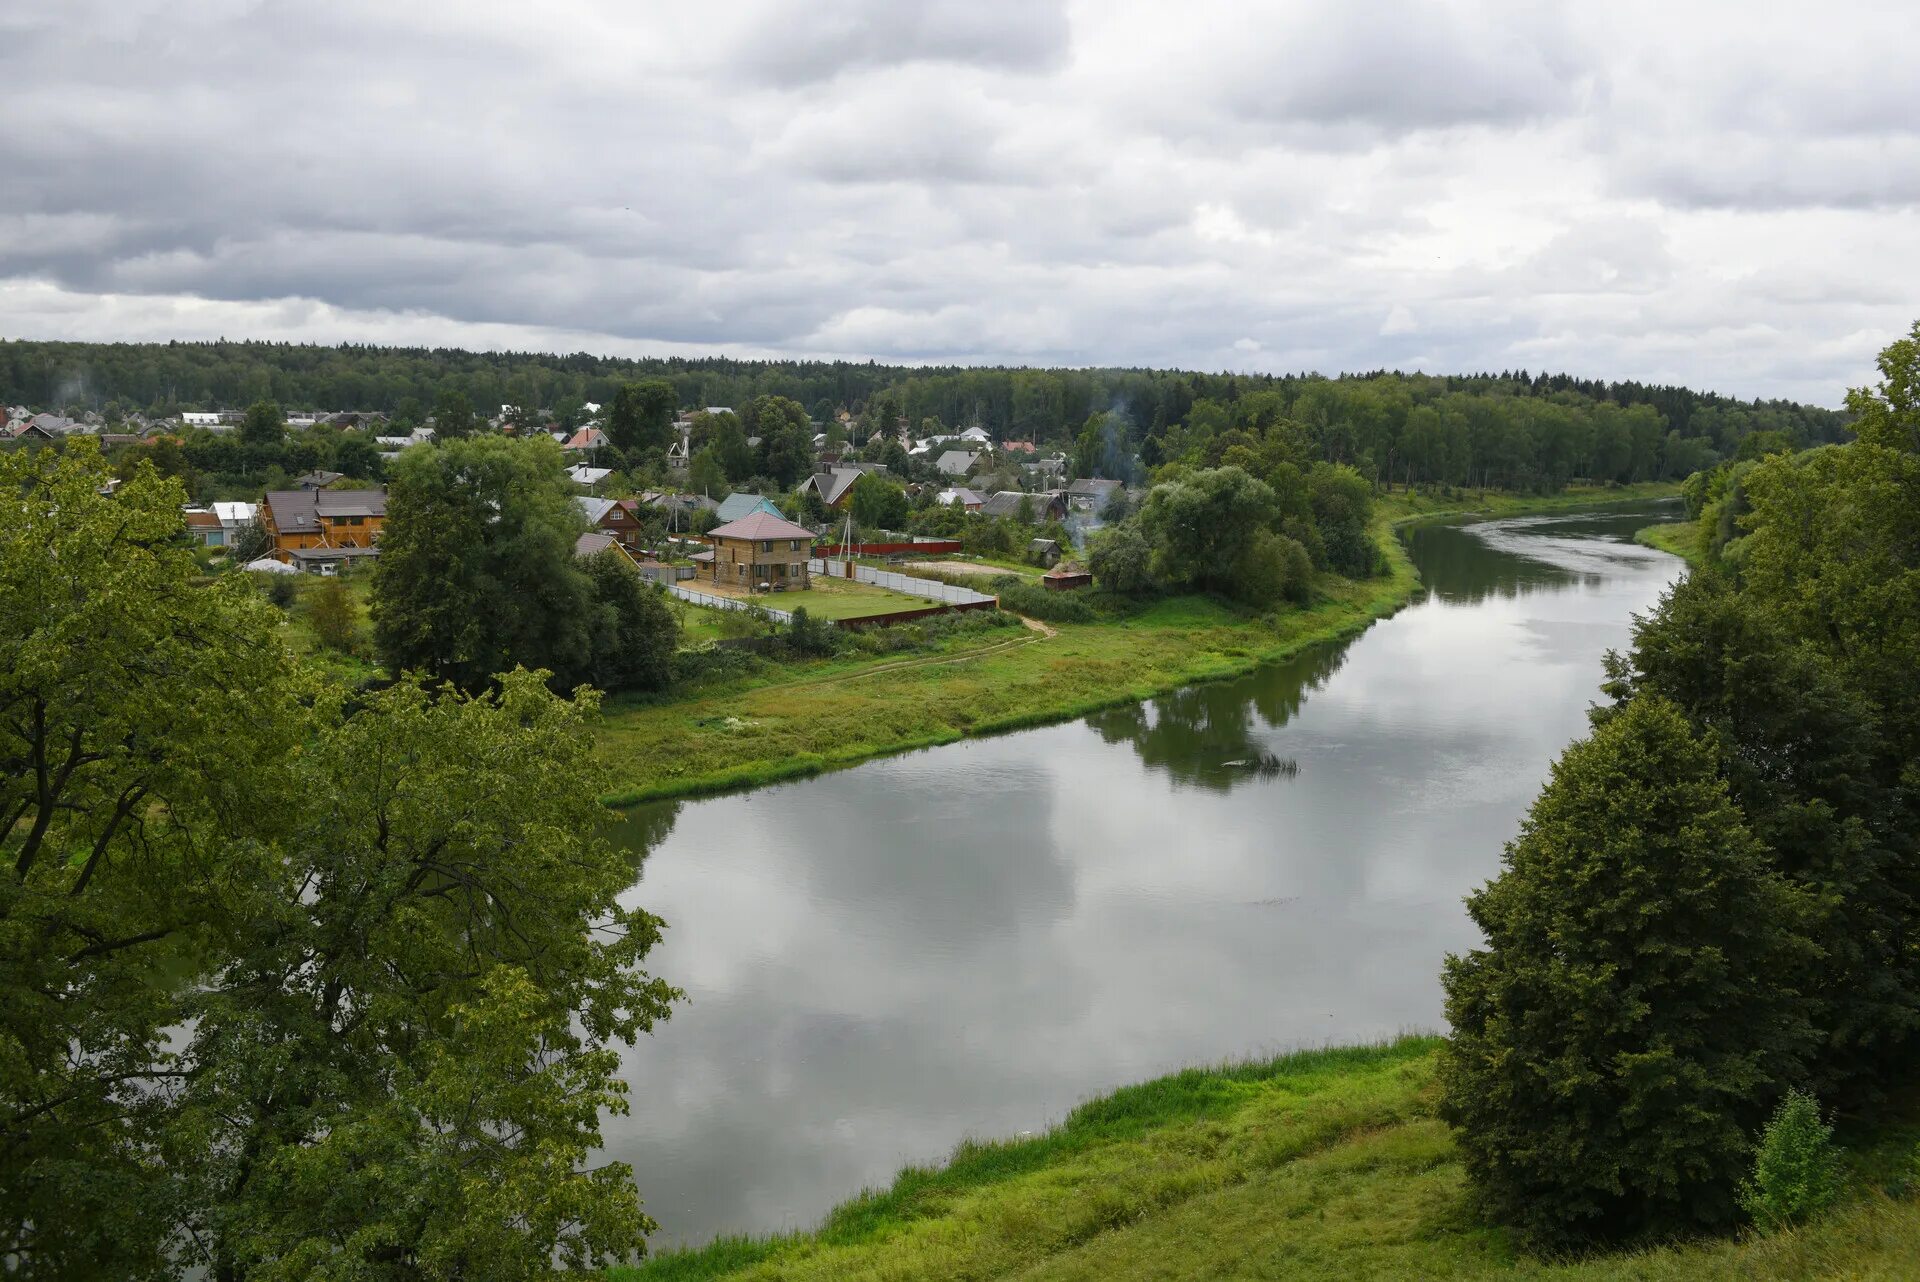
761	525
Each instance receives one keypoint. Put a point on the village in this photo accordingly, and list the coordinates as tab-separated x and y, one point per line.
955	511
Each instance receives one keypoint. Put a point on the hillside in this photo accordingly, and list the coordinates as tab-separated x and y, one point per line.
1318	1165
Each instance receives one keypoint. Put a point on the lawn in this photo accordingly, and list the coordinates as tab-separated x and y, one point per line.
831	598
1325	1165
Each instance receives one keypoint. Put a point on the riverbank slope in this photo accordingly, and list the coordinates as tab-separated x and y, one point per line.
1682	538
1320	1165
799	719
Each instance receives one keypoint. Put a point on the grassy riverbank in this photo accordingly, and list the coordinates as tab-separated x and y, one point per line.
799	719
1682	538
1320	1165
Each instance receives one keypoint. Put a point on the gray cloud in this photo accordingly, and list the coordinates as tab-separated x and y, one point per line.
1705	194
806	44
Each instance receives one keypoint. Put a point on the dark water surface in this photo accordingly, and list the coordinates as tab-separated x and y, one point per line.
969	940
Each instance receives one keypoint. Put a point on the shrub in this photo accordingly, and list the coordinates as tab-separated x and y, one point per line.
1039	603
812	637
281	589
334	614
714	663
1796	1169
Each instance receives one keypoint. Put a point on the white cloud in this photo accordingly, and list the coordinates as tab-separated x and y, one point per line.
1709	194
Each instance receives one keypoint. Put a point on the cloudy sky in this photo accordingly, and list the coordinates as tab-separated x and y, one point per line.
1718	194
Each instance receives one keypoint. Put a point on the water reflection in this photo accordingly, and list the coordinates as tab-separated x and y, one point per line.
1209	736
971	939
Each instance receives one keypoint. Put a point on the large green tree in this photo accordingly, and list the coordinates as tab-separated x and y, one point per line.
342	1004
125	686
263	424
453	416
641	416
477	571
878	503
1201	527
786	437
401	1073
635	630
1632	1017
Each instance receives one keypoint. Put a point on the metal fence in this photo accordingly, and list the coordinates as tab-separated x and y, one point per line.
925	589
728	603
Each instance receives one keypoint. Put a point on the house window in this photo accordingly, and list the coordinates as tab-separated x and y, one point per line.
766	545
794	546
614	515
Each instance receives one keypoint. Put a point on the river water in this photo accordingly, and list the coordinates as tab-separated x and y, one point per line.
971	939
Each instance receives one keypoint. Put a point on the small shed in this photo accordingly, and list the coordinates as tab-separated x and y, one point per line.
1066	575
1044	551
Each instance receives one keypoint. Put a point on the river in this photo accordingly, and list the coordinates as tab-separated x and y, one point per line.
971	939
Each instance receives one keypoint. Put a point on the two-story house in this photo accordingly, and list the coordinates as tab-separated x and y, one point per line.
299	520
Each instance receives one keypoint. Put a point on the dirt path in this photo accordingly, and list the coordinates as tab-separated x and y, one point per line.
1037	626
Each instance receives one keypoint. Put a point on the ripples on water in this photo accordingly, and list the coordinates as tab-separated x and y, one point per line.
971	939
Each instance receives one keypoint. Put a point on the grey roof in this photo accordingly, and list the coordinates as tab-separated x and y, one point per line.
956	462
1007	503
735	506
593	543
294	511
299	511
832	484
1044	545
318	479
1093	486
351	502
594	509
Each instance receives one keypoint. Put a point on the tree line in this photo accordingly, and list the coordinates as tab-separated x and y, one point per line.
1715	900
1515	429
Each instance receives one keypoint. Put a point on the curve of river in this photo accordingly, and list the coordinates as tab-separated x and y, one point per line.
971	939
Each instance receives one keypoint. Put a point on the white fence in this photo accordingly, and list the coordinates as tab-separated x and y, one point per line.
727	603
926	589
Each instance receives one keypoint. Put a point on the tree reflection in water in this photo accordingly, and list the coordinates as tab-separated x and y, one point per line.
1210	736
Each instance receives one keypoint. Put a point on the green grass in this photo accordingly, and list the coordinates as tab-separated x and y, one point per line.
831	598
354	668
1317	1165
1682	538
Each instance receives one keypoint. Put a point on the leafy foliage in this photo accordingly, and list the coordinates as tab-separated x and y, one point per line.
636	630
1796	1169
1611	1048
877	503
477	571
339	1004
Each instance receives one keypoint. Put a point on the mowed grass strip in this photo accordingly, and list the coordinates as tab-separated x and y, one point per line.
1324	1165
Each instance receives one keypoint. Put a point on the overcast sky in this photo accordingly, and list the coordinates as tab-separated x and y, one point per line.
1722	195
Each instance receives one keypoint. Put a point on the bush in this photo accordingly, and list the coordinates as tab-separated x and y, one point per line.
281	589
1021	597
714	663
1273	568
1796	1169
814	638
333	614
